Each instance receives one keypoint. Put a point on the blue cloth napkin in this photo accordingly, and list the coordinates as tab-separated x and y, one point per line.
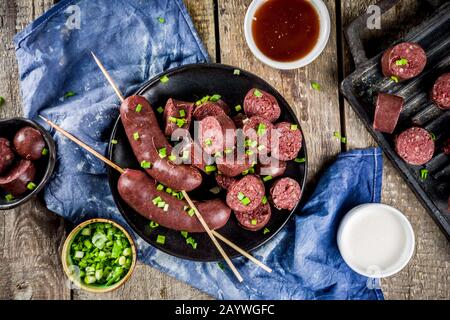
53	54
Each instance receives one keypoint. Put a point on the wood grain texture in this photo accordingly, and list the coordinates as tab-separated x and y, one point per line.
428	274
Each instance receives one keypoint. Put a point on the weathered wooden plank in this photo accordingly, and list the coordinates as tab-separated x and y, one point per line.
30	236
318	111
427	275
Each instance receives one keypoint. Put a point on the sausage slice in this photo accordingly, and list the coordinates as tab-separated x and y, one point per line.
415	145
177	114
288	141
246	194
441	91
256	219
260	103
387	112
405	60
285	193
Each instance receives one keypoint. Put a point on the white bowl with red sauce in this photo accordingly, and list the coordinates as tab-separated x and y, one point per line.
287	34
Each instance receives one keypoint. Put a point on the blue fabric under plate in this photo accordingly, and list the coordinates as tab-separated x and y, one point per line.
134	45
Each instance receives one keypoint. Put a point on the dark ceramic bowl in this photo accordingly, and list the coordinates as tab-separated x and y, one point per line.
44	166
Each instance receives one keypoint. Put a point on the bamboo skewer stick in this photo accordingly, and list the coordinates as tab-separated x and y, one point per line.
108	77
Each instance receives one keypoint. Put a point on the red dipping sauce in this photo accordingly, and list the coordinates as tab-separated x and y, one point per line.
286	30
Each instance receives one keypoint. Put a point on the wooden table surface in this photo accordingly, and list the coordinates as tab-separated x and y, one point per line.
31	237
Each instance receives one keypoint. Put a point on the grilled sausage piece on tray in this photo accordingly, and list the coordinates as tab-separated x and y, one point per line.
404	61
441	91
387	112
151	147
415	145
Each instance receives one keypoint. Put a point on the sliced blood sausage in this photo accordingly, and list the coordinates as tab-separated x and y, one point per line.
387	112
405	60
177	114
258	132
210	108
274	168
6	155
16	180
231	165
29	143
415	145
197	157
224	181
256	219
246	194
285	193
286	141
260	103
441	91
217	133
446	147
139	191
148	143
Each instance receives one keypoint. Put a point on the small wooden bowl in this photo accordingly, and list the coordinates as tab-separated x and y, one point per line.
66	261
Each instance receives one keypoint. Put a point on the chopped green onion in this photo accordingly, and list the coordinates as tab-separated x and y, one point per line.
257	93
261	129
9	197
249	152
218	154
264	200
69	94
31	186
2	101
146	164
166	207
182	113
185	208
210	168
294	127
79	254
184	234
156	200
433	136
215	190
160	110
180	122
215	97
161	204
205	99
394	78
267	178
423	174
241	195
161	20
99	240
245	201
261	147
299	160
173	119
169	190
153	224
401	62
192	242
266	231
122	260
227	151
160	187
162	152
245	172
126	252
136	136
221	266
238	108
338	135
86	231
315	85
208	142
236	72
172	157
114	141
160	239
191	212
254	222
164	79
44	152
138	107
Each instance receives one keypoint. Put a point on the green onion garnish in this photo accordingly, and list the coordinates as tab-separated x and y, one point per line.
214	190
210	168
136	136
173	119
394	78
146	164
69	94
254	222
236	72
156	200
315	85
299	160
161	204
261	129
227	150
184	234
245	201
160	110
191	212
31	186
138	107
114	141
9	197
249	152
401	62
181	122
245	172
44	152
294	127
266	231
261	147
162	153
257	93
160	187
208	142
338	135
433	137
182	113
192	242
160	239
166	207
161	20
169	190
154	224
424	174
267	178
164	79
238	108
172	158
264	200
218	154
215	97
2	101
241	195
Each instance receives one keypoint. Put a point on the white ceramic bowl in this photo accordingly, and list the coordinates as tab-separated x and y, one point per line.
324	34
353	235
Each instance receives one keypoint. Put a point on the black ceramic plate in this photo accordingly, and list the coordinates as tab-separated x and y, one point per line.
44	166
190	83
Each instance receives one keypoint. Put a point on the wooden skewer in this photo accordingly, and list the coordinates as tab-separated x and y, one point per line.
108	77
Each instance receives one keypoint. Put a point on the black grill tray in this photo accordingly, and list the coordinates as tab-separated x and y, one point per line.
361	87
